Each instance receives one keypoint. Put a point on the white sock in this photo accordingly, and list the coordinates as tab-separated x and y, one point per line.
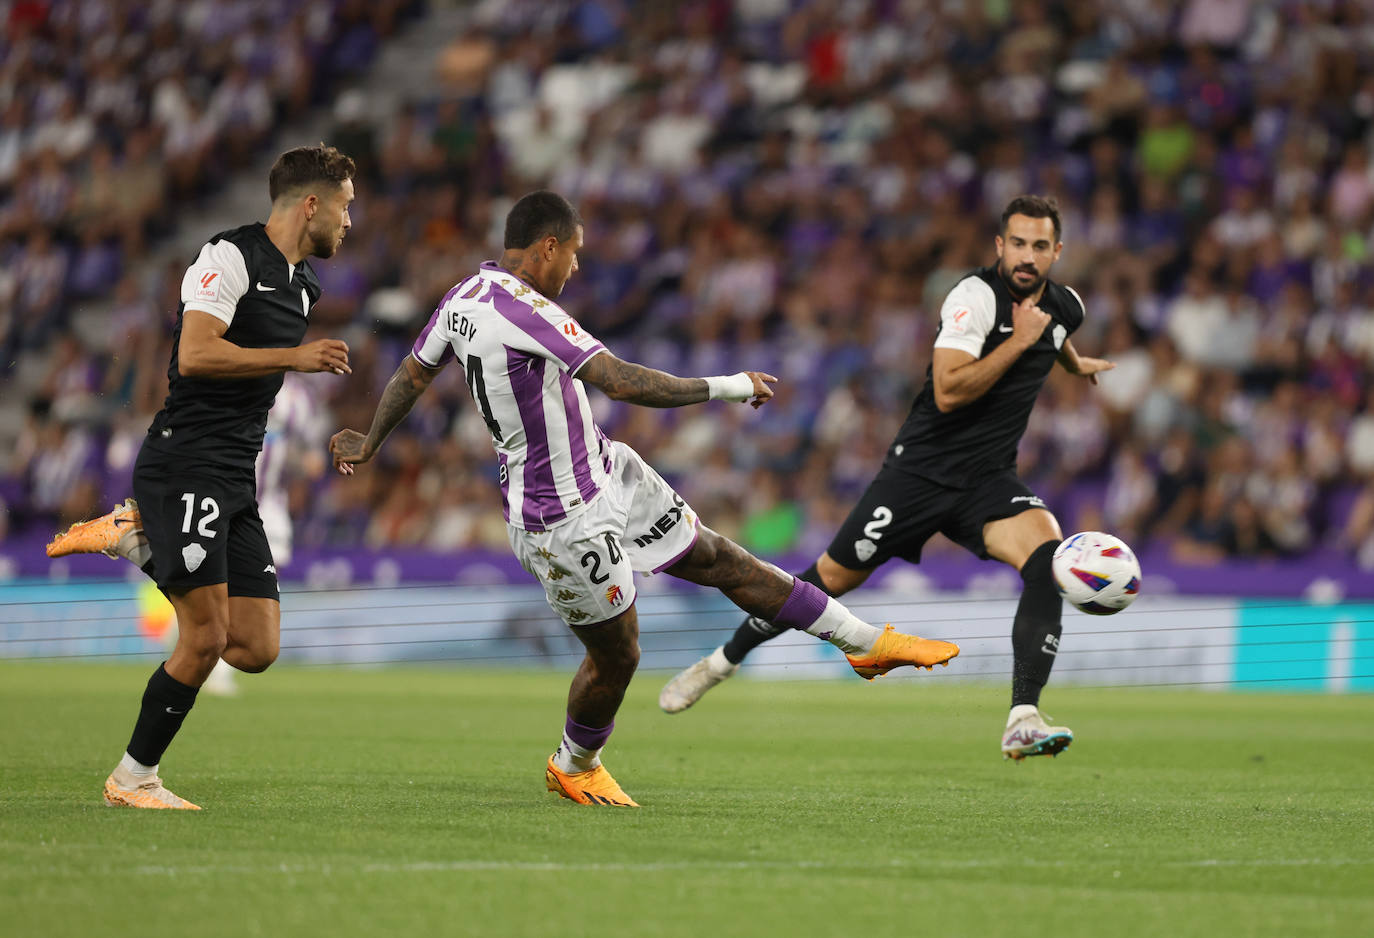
572	758
133	546
838	626
134	767
1020	712
718	663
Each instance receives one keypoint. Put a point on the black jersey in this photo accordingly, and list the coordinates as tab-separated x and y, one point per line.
961	447
242	279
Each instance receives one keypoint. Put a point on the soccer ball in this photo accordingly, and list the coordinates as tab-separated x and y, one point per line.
1096	572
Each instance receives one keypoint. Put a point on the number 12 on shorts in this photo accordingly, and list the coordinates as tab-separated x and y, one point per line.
209	511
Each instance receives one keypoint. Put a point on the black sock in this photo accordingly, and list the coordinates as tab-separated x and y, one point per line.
1036	629
165	705
753	631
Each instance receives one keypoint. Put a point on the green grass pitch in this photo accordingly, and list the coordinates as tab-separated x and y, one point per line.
411	802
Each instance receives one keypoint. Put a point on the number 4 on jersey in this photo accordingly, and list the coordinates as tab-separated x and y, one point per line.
478	386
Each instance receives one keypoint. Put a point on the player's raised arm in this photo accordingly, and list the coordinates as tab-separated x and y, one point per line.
625	381
402	391
1080	365
203	352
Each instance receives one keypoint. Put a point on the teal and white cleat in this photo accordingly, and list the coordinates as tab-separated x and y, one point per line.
1027	734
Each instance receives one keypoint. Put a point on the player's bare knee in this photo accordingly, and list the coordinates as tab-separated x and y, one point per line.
615	664
203	643
255	654
837	579
258	660
622	660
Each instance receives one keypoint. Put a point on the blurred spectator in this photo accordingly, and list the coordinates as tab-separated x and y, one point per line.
788	186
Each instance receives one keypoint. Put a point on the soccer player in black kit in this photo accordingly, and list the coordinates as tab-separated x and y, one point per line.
952	467
193	523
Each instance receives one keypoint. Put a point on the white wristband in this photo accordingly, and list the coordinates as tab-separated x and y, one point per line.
737	387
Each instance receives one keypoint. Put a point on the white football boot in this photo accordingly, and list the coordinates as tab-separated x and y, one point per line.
690	685
1027	734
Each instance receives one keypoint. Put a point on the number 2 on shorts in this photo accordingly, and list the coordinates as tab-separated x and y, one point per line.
209	512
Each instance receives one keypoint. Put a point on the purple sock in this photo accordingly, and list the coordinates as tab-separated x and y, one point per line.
587	737
803	607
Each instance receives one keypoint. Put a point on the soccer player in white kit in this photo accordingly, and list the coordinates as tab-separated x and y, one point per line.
584	512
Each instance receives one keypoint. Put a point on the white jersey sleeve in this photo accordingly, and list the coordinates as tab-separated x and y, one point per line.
968	315
433	348
216	281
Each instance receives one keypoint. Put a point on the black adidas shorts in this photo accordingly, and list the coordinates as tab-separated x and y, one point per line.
203	527
899	512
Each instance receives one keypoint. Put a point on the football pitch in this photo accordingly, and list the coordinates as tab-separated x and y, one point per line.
411	801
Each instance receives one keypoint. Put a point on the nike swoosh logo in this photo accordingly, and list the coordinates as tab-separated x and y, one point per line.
1004	328
265	289
175	713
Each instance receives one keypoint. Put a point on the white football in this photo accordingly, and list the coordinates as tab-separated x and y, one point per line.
1096	572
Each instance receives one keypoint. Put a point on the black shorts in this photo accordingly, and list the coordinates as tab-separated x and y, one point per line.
899	512
203	527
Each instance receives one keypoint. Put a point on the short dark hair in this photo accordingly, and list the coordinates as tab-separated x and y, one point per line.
538	215
1034	206
306	166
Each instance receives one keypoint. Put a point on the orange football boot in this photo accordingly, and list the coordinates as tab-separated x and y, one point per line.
99	535
592	787
896	649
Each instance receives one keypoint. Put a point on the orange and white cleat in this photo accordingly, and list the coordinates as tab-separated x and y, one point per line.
897	649
99	535
123	789
593	787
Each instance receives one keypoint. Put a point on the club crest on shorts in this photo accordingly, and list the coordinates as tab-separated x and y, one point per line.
193	555
864	549
614	596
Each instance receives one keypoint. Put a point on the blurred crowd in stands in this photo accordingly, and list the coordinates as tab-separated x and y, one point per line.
769	185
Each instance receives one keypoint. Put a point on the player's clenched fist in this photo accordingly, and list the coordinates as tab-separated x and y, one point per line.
323	355
1029	321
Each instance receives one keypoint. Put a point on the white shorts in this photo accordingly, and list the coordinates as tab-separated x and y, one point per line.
587	563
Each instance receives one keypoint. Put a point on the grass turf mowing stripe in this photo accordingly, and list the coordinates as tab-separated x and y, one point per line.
342	801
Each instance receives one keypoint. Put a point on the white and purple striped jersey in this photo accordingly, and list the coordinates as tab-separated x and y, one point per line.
520	352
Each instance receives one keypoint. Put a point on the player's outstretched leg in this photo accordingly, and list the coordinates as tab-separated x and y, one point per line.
791	602
575	771
117	534
1035	644
203	618
134	783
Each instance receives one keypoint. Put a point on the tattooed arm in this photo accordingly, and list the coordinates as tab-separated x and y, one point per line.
402	391
648	387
